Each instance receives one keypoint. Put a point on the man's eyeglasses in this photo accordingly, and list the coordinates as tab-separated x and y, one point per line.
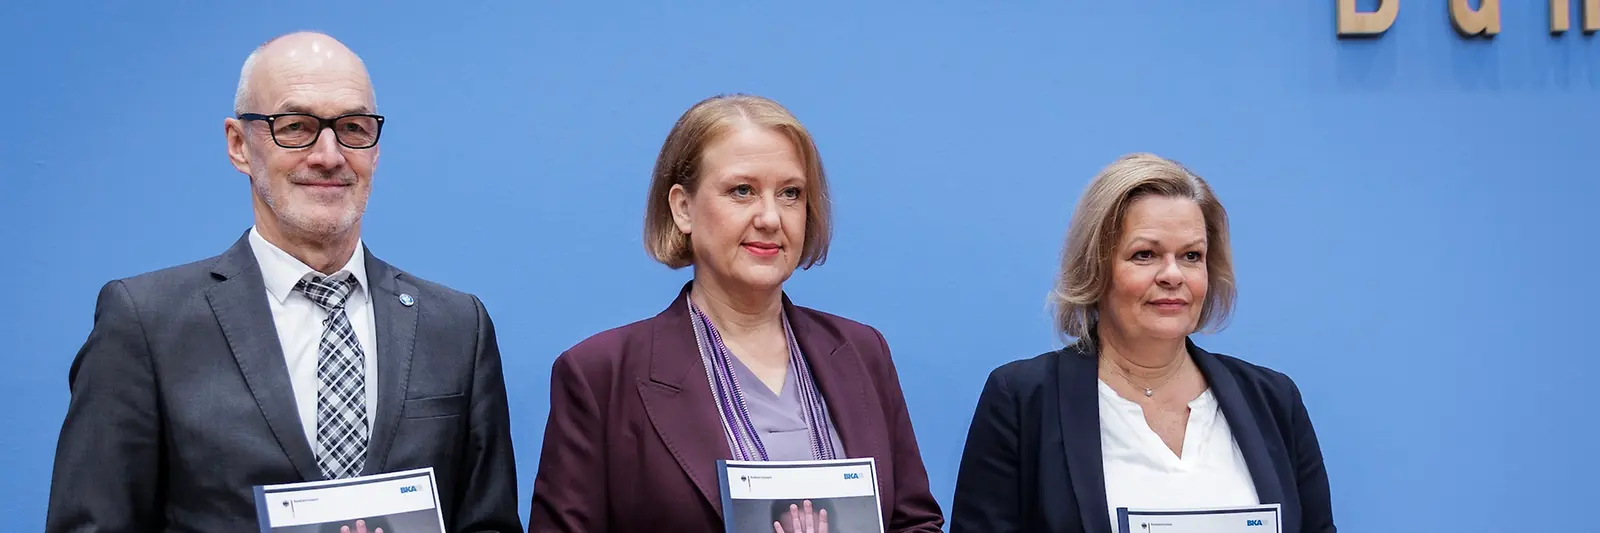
299	130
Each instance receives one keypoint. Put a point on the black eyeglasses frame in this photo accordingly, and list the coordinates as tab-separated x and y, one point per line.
322	124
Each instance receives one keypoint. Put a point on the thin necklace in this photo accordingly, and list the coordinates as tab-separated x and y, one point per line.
1149	391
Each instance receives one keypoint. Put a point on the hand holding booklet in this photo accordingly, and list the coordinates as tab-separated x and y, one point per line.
833	496
395	502
1249	519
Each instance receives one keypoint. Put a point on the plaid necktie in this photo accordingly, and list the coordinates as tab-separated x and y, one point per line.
341	397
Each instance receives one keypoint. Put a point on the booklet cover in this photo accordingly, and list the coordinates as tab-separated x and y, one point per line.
395	502
1250	519
838	496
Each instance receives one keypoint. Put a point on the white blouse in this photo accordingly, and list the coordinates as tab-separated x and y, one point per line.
1141	472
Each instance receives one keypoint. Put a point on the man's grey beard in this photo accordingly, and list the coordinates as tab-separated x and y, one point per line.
296	220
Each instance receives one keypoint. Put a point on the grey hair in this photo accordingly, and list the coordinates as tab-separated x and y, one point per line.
241	96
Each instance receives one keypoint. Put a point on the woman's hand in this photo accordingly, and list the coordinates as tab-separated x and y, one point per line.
803	519
361	527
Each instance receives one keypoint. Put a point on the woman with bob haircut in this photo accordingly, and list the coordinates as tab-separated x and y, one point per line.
1133	413
731	369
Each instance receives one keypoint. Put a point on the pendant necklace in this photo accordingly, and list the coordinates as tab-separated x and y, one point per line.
1149	391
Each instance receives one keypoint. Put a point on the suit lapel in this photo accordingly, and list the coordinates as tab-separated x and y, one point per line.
1080	415
239	302
396	331
677	399
1242	423
838	372
1077	391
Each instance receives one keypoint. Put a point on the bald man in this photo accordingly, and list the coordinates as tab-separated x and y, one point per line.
296	354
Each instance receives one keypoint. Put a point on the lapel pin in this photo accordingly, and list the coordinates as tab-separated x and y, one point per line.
407	300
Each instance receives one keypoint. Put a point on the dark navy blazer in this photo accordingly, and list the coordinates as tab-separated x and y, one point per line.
1032	461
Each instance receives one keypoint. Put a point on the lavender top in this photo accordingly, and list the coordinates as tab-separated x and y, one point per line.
779	419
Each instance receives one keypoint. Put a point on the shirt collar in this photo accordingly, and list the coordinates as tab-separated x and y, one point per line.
282	271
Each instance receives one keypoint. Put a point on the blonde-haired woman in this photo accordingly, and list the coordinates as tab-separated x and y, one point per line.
731	369
1133	413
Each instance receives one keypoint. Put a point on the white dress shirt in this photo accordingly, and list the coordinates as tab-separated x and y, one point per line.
1142	472
299	324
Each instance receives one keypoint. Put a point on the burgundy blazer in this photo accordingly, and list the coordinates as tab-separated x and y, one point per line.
633	436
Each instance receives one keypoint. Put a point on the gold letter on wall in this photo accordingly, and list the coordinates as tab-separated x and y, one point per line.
1561	16
1352	22
1484	20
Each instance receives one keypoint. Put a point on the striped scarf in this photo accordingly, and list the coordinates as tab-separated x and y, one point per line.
743	439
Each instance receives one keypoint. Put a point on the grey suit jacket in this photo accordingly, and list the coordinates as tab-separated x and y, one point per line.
181	403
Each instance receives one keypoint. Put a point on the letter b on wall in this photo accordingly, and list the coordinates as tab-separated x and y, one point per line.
1353	22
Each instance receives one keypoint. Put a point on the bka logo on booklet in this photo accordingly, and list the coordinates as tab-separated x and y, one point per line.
408	488
1252	523
852	475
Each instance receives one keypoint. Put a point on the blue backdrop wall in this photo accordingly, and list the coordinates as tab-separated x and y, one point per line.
1413	215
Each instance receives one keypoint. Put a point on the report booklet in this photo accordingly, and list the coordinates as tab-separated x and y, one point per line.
837	496
1247	519
394	502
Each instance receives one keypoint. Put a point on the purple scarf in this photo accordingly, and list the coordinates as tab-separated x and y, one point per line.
742	437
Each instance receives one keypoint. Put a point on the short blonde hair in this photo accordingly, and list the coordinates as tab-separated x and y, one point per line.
679	164
1097	226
